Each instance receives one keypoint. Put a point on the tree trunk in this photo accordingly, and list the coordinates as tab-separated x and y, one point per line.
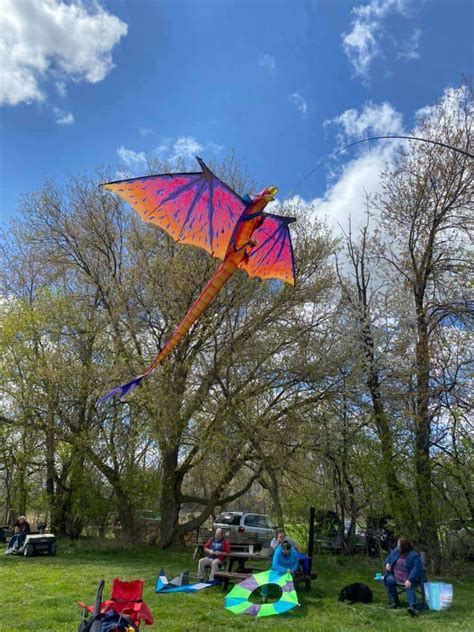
275	494
398	506
8	494
123	497
350	538
126	512
50	478
170	493
427	517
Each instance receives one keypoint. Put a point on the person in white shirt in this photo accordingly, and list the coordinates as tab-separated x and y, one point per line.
279	539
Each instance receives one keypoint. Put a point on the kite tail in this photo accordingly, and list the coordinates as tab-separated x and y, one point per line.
209	293
122	390
213	287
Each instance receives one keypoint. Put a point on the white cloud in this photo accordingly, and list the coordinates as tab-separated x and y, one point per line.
409	50
345	197
214	147
182	148
65	118
372	119
450	109
362	44
185	147
132	159
61	88
300	103
145	131
360	47
267	61
164	148
53	39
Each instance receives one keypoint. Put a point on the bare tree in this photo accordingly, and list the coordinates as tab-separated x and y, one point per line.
426	214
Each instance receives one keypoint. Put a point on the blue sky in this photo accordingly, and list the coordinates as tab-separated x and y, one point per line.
92	83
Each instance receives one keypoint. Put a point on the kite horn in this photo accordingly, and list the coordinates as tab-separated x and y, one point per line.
204	167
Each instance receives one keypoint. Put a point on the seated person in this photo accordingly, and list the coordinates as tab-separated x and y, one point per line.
279	539
285	558
216	549
403	567
22	529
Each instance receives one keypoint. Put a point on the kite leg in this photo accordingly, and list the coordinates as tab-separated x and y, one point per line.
213	287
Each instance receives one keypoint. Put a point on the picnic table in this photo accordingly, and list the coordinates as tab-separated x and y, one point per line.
241	573
241	557
236	548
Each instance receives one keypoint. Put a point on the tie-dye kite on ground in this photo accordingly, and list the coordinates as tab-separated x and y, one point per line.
238	600
201	210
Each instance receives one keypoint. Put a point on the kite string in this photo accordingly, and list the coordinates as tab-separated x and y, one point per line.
328	157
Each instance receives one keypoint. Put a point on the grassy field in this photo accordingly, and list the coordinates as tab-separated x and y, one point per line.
40	594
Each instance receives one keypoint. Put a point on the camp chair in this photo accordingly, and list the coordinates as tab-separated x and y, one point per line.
126	599
419	590
303	574
420	593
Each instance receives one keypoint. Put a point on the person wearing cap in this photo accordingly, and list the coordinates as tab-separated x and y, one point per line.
22	529
285	558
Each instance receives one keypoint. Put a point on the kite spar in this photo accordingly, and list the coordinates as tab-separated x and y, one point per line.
201	210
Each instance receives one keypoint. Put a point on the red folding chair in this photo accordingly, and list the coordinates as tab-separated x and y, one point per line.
126	598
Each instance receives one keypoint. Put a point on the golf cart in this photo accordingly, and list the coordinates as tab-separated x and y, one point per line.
34	544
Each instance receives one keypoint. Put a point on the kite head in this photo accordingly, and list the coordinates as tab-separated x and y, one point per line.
268	194
265	196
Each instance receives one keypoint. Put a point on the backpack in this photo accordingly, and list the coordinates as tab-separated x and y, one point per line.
108	622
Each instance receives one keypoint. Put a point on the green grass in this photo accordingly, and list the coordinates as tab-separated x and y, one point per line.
40	594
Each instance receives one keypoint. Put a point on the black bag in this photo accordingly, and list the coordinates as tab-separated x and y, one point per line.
107	622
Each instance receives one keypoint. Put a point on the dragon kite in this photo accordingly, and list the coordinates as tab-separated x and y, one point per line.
199	209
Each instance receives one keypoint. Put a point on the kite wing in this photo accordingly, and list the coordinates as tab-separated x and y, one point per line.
272	257
238	600
194	208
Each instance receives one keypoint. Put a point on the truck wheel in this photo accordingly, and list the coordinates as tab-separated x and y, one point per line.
52	548
29	550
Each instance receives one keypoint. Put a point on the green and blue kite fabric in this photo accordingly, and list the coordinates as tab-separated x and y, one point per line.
238	600
179	584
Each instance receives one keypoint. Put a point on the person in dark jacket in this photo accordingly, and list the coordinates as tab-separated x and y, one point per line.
22	529
403	568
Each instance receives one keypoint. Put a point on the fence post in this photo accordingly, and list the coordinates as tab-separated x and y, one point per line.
311	537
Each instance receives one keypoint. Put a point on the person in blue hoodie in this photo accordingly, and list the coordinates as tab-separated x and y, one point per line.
403	567
285	559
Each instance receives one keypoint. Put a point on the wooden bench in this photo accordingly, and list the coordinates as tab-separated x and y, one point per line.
227	576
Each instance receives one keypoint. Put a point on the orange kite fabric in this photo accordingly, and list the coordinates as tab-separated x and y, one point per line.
201	210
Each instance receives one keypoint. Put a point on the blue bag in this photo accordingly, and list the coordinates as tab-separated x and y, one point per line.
438	595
